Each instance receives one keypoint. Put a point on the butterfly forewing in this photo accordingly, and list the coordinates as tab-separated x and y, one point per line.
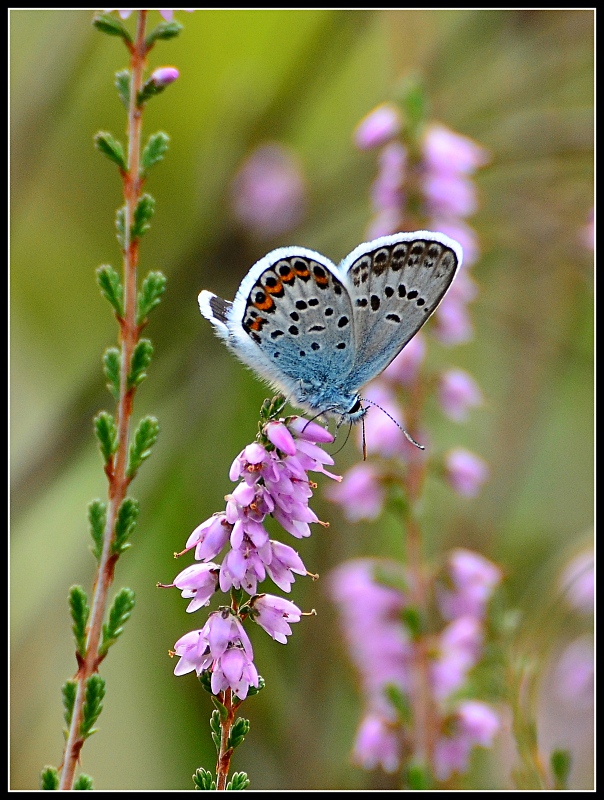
299	314
395	283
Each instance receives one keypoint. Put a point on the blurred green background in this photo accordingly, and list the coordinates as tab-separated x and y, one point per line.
521	84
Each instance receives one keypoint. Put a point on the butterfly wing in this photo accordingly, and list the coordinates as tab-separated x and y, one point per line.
291	322
395	283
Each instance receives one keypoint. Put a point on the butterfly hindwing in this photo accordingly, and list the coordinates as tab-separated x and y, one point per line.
395	283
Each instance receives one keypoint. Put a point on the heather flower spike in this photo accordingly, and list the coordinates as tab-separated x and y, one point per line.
272	479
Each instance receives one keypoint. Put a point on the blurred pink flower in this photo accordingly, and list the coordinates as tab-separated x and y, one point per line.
378	127
466	472
268	193
448	152
458	392
360	493
577	582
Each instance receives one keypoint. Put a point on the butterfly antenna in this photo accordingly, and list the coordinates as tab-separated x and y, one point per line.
345	440
408	435
364	440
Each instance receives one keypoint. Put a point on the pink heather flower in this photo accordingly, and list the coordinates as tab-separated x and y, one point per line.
274	615
378	127
449	195
283	562
458	392
465	471
405	367
164	76
377	743
445	151
386	191
210	537
234	670
305	429
453	323
577	582
281	437
199	649
198	581
242	568
458	650
382	435
249	463
473	579
574	674
475	723
268	193
360	494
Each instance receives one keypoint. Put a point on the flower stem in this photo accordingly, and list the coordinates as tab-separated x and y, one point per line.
223	763
117	469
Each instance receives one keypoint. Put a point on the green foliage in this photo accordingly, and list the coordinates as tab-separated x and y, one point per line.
143	212
412	617
417	777
141	358
112	361
154	151
203	779
118	615
109	146
111	288
106	433
49	778
93	704
255	689
68	692
205	678
125	524
238	732
238	782
122	84
561	762
165	30
80	611
120	226
83	782
149	90
97	517
272	408
400	701
111	25
143	440
215	723
150	295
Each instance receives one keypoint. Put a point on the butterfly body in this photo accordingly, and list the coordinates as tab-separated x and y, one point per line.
319	332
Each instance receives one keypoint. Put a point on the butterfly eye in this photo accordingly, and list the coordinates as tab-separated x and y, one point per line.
356	407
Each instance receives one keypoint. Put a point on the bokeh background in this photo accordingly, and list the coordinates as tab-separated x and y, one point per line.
518	82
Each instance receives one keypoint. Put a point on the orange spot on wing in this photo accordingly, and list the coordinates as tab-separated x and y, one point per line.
276	289
265	305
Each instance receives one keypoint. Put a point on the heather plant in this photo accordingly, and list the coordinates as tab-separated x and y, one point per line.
123	446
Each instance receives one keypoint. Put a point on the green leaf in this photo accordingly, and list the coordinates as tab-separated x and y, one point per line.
122	84
83	782
80	611
68	691
97	517
215	717
238	782
154	151
120	612
144	438
106	433
120	226
401	703
561	762
49	778
143	212
412	617
238	733
203	779
111	25
141	358
111	288
205	679
150	295
112	361
165	30
418	777
125	524
93	704
255	689
109	146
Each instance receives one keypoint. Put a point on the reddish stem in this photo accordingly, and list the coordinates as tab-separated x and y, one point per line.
117	470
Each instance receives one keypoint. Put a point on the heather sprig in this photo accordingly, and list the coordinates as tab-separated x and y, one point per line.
96	627
414	632
273	480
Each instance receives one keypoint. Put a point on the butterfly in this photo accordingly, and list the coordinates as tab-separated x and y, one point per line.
318	332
